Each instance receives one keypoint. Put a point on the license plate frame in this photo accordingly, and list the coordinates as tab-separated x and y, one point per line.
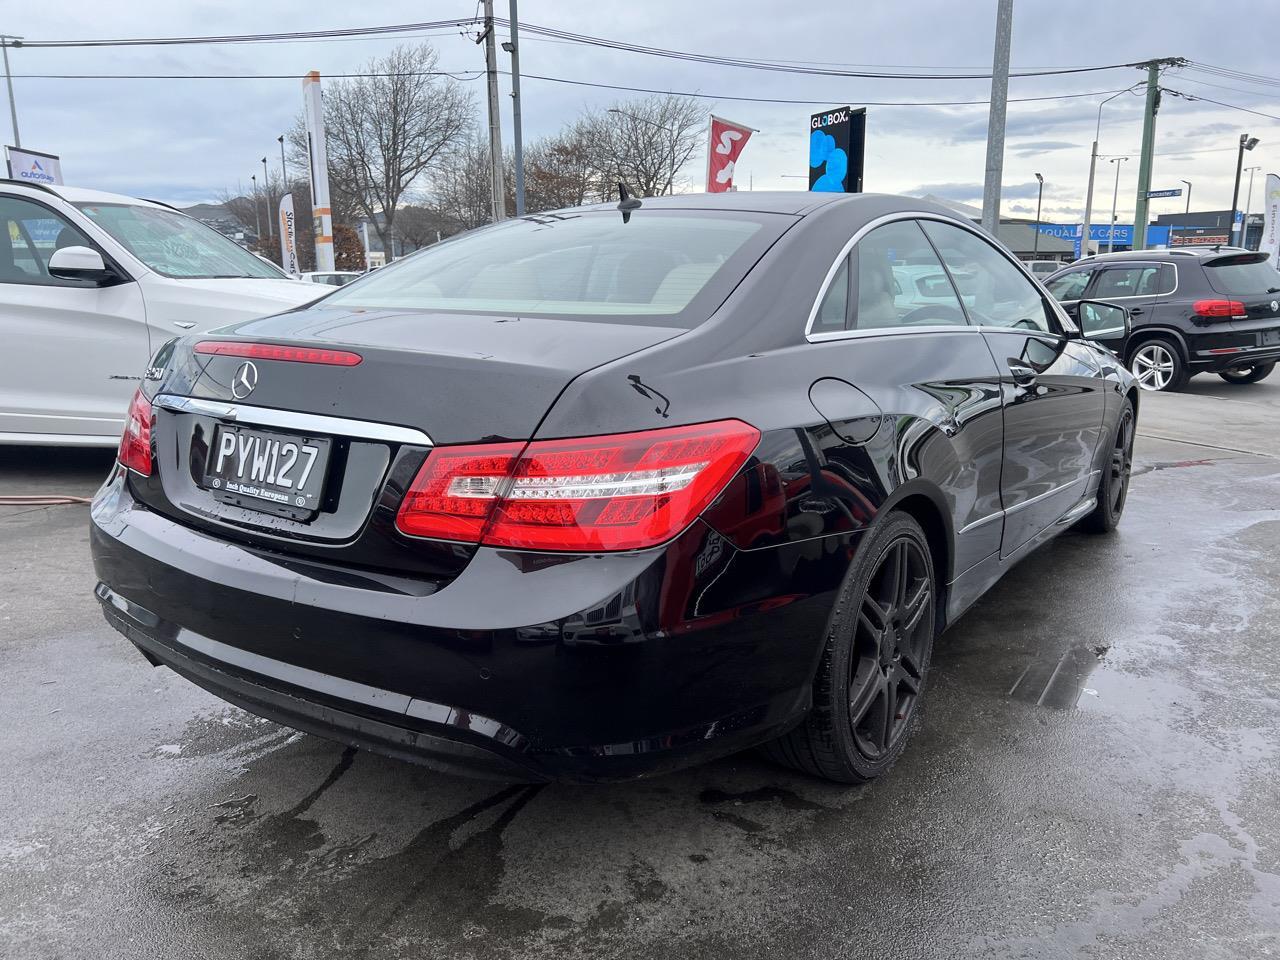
1271	338
247	473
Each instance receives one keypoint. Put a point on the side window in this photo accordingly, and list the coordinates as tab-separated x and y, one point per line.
900	282
996	293
1168	279
1139	280
29	234
833	311
1070	286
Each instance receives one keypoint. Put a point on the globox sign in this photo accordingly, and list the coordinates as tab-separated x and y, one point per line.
32	166
837	140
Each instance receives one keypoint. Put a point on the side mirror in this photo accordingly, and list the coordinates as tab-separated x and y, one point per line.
78	263
1105	322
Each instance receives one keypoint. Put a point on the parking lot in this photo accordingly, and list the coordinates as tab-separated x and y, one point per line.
1096	775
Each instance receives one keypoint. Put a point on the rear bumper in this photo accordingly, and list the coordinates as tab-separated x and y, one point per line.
524	667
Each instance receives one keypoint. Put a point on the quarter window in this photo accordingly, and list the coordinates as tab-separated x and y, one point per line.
29	234
833	313
995	292
1070	286
900	282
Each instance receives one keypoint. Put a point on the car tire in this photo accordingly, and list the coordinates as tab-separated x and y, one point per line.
1248	374
1158	365
866	696
1114	488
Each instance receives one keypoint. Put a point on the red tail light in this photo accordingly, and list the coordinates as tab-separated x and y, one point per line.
279	351
135	442
1219	308
619	492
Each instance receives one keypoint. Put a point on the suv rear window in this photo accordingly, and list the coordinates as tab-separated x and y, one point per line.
673	268
1246	275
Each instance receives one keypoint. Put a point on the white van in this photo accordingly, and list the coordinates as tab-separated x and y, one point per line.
91	285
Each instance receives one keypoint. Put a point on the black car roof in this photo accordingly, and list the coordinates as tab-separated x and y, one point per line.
793	202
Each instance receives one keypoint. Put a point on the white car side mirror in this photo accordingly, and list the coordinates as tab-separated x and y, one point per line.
78	263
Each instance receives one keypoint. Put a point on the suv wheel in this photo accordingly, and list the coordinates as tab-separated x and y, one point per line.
866	697
1158	366
1248	374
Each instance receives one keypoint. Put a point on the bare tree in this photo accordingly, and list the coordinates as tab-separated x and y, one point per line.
564	170
387	130
647	142
461	191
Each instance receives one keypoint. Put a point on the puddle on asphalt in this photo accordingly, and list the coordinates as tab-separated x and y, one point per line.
1059	683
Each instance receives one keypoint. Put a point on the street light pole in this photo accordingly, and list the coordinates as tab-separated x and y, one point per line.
1115	195
1188	183
1093	163
1248	199
1035	241
284	171
257	220
1246	143
5	40
266	185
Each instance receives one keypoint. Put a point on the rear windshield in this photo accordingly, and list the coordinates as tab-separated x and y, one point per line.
1243	276
671	267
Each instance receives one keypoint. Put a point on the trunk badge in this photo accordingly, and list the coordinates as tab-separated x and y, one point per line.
245	380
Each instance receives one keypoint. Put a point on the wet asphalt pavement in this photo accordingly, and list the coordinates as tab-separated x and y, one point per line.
1097	775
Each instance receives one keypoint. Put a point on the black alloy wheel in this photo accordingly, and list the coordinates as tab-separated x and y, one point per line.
872	676
1240	375
1114	488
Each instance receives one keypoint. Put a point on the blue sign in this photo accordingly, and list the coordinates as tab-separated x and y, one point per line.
1152	194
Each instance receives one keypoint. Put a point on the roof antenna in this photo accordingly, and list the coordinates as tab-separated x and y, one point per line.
626	202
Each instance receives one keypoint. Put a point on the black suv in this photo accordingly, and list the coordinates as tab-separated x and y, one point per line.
1215	310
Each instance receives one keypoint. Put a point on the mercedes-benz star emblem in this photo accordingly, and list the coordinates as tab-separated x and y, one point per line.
1275	305
245	380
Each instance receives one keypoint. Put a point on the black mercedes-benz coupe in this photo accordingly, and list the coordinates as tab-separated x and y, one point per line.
601	492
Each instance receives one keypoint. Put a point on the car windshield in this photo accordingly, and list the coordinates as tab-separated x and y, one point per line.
1243	276
175	245
673	267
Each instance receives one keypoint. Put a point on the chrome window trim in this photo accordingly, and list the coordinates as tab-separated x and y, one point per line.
1119	265
293	420
880	221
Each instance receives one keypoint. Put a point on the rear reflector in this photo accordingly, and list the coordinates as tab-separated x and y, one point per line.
618	492
278	351
1219	308
135	442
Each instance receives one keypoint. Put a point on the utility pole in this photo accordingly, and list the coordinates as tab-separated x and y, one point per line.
512	47
995	118
495	119
5	40
1140	215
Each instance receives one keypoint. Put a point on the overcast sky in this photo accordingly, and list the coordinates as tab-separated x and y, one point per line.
186	140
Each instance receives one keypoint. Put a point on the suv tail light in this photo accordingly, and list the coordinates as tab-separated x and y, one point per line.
1219	308
135	442
619	492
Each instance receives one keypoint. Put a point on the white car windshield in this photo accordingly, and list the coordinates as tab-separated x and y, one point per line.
175	245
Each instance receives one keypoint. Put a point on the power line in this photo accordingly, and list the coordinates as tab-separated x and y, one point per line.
1231	106
917	73
476	74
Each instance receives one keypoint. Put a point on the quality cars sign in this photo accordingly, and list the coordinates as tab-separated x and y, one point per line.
33	167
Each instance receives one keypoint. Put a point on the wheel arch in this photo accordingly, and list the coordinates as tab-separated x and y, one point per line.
927	506
1144	334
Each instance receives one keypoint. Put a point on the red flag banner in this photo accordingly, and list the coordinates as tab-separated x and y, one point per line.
727	141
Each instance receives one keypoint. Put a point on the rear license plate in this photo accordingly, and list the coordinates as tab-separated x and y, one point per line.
1271	338
268	467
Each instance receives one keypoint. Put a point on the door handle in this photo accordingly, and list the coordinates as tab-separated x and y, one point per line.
1023	375
1134	311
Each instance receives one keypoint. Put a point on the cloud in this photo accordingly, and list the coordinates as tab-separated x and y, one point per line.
1034	148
